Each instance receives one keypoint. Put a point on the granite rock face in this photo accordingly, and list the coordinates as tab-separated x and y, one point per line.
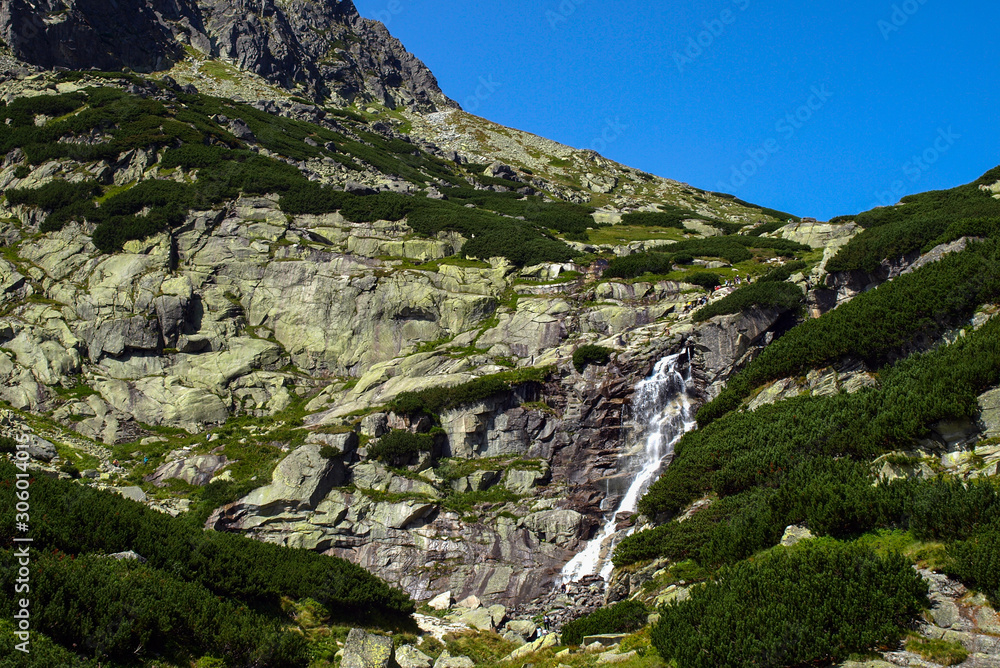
327	47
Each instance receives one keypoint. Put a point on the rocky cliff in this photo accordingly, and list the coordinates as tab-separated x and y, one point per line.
324	50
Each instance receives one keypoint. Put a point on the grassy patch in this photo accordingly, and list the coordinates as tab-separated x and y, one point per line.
944	652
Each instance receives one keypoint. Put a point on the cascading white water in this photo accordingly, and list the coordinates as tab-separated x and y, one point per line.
662	414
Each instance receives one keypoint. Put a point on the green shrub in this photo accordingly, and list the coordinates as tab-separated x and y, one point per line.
22	172
44	653
399	446
820	601
53	195
7	445
784	272
781	296
895	231
590	354
132	608
632	266
622	617
658	219
875	325
434	400
977	562
704	279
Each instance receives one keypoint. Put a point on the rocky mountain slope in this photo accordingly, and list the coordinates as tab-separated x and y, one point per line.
321	50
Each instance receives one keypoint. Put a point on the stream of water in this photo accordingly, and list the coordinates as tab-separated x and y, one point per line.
661	413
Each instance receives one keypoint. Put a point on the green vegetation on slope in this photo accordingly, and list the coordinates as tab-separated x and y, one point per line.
80	520
622	617
918	223
186	137
733	249
876	326
130	606
782	296
590	354
819	601
435	400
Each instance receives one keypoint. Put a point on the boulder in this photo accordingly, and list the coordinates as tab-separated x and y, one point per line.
364	650
470	602
524	481
796	534
133	493
546	641
989	413
562	527
197	470
375	425
498	613
41	449
479	481
498	170
605	639
441	602
409	656
114	337
615	657
446	660
300	480
515	638
522	627
346	442
479	618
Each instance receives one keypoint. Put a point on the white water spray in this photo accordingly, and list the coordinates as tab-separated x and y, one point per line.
662	414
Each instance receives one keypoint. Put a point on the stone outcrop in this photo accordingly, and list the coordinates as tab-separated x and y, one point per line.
326	46
365	650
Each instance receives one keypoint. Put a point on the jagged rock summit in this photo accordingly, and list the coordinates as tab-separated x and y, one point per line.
326	50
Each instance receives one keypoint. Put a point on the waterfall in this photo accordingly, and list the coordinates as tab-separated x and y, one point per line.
662	414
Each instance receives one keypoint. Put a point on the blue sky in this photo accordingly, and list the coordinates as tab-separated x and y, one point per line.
818	109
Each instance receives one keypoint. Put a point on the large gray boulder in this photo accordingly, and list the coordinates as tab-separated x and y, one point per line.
409	656
364	650
446	660
197	470
41	449
989	413
300	480
114	337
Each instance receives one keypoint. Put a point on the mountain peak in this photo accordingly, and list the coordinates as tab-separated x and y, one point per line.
324	50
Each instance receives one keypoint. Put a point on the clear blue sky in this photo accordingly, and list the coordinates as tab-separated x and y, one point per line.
887	82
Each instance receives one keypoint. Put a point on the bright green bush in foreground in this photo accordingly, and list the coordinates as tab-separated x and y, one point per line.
820	601
622	617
